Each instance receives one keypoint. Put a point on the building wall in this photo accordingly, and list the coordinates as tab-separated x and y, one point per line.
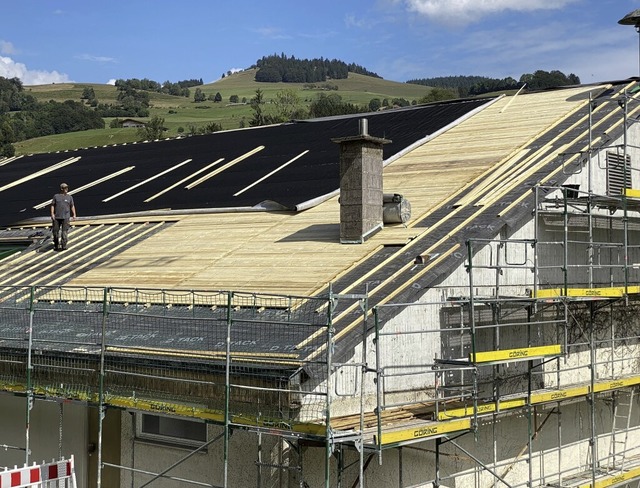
245	449
44	432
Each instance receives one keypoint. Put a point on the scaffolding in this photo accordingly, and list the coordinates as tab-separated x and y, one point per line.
448	373
544	333
548	325
522	360
227	358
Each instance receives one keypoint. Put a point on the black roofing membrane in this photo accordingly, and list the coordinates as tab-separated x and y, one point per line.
312	175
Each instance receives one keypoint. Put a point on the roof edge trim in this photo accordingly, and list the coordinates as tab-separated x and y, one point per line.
316	201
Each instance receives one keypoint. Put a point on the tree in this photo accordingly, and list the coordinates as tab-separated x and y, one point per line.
328	105
268	75
287	103
179	89
375	104
217	98
199	96
439	94
211	127
542	79
400	102
58	118
12	96
234	99
132	102
7	137
154	129
257	103
88	94
288	69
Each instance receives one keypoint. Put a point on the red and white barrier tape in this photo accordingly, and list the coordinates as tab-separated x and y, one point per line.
30	476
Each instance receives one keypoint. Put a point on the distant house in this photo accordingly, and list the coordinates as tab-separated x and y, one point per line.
132	123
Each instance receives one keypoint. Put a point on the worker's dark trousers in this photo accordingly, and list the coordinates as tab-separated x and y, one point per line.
60	233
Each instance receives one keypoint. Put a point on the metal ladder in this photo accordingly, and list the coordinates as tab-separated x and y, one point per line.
622	407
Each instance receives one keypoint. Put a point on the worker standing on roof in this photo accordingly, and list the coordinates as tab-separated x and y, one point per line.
62	211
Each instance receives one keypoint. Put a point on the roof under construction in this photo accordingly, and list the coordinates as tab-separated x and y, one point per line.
455	195
214	285
280	166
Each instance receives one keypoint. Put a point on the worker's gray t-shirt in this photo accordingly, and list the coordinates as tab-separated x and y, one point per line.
62	205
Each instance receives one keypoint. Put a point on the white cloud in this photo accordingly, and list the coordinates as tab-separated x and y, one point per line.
271	33
350	20
112	81
6	48
467	11
10	69
592	54
99	59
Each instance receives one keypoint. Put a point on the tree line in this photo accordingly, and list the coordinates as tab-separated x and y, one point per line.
23	117
289	69
179	88
478	85
287	106
133	98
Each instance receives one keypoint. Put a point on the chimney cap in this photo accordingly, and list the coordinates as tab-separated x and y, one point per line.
363	138
363	135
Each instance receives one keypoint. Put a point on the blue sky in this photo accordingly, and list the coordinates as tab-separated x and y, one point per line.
54	41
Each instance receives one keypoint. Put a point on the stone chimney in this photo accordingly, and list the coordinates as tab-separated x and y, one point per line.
361	195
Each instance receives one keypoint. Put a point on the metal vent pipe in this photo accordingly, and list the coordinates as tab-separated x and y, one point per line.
363	126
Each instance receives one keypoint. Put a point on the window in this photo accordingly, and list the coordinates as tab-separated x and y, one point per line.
171	430
617	170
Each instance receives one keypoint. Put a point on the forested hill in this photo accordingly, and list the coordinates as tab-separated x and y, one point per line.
477	85
275	69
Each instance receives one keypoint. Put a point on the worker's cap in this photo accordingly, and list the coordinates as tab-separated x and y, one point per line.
63	186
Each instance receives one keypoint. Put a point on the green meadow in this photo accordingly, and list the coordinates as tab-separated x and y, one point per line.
182	112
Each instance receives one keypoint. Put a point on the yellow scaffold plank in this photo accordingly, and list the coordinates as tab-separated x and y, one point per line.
482	409
616	384
632	192
556	396
211	415
165	407
541	397
615	480
608	292
515	354
424	431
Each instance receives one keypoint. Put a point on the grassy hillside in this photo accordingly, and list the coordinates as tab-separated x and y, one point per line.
184	112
